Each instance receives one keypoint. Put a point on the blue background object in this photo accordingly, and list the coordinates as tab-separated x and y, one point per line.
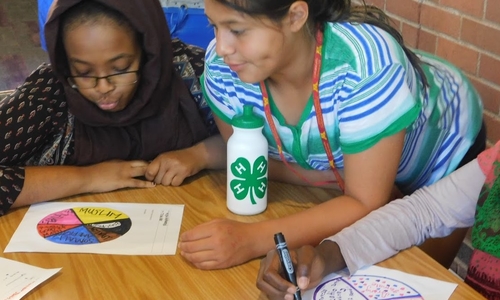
188	24
43	10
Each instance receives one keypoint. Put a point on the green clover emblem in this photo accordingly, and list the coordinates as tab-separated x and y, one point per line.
249	180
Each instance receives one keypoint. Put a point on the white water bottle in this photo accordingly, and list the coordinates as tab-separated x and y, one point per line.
247	164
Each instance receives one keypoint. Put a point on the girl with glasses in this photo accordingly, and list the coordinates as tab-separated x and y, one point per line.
119	101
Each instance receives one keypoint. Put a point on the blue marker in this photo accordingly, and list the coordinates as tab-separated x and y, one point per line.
286	262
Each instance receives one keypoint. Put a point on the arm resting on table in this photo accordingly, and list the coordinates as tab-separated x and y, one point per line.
433	211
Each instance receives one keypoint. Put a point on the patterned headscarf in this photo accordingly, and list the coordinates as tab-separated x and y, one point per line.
162	115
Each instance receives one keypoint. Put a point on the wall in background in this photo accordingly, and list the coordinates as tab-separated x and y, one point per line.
465	32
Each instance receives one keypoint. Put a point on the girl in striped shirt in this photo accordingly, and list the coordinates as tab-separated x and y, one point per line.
347	105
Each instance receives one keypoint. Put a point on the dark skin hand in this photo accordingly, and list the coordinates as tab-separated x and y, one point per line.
311	265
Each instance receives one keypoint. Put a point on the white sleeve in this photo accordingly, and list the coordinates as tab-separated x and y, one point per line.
433	211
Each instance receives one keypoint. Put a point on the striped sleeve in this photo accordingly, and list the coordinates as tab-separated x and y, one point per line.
379	96
378	106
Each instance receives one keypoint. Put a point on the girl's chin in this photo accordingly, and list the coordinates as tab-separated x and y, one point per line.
249	77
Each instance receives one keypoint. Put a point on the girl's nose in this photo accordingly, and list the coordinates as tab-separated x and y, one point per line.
103	85
224	44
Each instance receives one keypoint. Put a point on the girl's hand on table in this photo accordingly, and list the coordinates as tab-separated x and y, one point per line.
217	244
311	265
171	168
116	174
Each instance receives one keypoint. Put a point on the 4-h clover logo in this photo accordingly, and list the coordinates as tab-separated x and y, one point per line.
249	180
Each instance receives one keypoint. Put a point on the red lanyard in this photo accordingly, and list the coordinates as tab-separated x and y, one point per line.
319	118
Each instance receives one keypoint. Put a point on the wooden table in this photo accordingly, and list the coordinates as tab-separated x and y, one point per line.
97	276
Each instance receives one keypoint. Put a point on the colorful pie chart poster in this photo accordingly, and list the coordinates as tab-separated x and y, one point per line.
379	283
107	228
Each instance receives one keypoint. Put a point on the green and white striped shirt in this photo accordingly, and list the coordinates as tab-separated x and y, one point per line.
368	90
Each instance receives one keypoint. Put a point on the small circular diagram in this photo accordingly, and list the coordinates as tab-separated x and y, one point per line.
84	225
362	287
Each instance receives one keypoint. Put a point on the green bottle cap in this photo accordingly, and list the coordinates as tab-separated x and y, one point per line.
248	119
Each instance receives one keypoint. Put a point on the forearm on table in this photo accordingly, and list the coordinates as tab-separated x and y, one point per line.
50	183
212	152
310	226
280	172
433	211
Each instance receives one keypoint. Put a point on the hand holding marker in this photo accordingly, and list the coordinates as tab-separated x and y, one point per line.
286	262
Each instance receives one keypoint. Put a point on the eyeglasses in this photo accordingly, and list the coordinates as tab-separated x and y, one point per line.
90	82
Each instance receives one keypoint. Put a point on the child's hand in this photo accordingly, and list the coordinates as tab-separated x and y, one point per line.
217	244
116	174
171	168
311	265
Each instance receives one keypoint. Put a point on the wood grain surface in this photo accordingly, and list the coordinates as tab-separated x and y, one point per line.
98	276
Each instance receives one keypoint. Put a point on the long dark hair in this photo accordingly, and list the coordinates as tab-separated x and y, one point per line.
321	11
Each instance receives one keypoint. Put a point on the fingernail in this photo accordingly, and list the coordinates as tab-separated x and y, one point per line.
303	282
292	290
153	183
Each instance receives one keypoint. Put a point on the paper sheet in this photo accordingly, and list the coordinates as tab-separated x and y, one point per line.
110	228
17	279
381	284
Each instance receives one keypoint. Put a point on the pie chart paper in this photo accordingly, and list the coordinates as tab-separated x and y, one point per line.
377	283
103	228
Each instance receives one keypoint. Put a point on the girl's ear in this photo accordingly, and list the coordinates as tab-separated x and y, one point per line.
298	15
